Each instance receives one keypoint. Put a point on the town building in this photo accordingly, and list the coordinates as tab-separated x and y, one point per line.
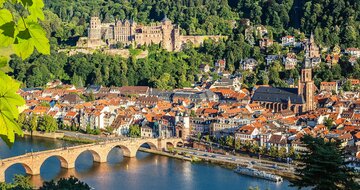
290	61
329	86
288	41
353	52
248	64
265	43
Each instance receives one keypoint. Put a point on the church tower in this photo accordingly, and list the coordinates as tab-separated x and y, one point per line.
306	88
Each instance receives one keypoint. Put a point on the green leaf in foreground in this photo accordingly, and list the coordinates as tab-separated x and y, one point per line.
9	102
3	61
32	37
38	37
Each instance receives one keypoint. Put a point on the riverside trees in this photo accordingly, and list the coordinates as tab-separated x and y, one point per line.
43	123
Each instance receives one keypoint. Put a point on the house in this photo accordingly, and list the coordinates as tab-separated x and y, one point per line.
204	68
353	52
146	131
70	119
184	96
224	126
54	83
278	141
122	124
271	58
265	42
134	90
329	86
332	60
290	61
40	110
199	125
246	133
353	60
248	64
220	65
226	82
108	119
288	41
261	31
72	99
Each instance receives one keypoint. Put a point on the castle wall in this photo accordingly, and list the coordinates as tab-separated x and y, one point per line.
198	40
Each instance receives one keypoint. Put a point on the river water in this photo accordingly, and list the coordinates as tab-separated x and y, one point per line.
146	171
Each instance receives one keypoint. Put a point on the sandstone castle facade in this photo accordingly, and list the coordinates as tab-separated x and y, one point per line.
129	32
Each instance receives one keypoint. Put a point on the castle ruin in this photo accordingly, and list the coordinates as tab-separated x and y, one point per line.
129	32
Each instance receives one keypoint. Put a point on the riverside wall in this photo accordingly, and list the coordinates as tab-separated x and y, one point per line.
44	134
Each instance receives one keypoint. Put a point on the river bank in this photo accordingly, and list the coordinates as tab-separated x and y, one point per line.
223	163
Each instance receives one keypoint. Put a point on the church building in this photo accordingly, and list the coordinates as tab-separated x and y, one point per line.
298	100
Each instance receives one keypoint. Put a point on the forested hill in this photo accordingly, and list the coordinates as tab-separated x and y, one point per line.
332	21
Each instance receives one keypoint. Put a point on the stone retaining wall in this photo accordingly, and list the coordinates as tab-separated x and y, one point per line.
45	135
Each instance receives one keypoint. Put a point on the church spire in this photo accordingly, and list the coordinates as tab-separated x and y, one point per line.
312	39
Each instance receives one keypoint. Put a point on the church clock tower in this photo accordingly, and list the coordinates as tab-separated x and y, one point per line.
306	88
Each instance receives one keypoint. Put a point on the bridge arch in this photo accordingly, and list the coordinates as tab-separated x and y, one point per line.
127	152
170	145
63	162
28	169
97	156
152	145
179	144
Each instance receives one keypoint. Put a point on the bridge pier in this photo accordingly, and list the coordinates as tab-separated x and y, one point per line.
2	176
35	170
100	156
130	154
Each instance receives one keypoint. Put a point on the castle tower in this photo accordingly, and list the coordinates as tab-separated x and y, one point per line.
167	34
306	88
94	31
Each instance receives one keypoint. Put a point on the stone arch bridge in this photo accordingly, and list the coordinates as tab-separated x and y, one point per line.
32	161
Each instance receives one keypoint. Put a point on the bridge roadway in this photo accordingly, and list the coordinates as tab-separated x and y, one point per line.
67	155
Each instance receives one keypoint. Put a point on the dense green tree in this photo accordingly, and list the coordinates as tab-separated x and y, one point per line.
20	183
33	123
324	167
273	152
282	152
328	122
71	183
47	124
230	141
237	144
134	131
